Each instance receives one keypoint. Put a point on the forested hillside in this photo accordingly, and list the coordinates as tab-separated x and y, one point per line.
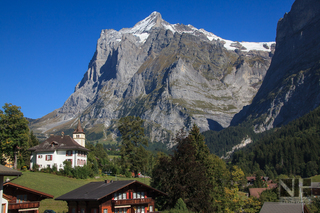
291	149
220	142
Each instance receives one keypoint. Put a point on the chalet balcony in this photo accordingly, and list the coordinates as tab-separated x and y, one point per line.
25	205
132	201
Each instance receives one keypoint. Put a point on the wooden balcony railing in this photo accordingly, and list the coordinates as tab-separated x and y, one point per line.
132	201
25	205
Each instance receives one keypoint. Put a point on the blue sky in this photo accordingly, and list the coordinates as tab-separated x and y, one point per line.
46	46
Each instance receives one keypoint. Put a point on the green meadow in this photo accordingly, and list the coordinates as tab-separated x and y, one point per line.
59	185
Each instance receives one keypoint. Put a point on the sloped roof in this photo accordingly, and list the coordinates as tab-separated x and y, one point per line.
79	128
272	185
99	190
33	191
56	142
277	207
5	171
256	192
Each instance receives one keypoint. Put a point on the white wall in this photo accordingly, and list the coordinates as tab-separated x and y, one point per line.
58	157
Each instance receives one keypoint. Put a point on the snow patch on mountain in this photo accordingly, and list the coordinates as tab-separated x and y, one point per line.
142	29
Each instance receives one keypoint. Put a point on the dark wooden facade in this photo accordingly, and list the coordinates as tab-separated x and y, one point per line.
133	197
21	198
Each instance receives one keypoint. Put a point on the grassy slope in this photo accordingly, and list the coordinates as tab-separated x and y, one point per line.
58	185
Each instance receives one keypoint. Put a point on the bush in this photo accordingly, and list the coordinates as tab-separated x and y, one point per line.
35	168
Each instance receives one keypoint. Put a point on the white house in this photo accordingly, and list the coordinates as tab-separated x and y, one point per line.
58	148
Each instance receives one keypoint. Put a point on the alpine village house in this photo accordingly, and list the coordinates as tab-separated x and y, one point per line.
59	148
127	196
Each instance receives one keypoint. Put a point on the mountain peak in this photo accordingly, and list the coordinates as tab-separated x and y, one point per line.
154	19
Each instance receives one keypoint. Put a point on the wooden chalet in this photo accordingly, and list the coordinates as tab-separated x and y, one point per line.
128	196
4	171
22	199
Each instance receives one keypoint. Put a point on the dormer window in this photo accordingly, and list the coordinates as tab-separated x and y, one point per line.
53	143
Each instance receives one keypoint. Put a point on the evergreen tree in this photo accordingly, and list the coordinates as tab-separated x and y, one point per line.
192	174
133	154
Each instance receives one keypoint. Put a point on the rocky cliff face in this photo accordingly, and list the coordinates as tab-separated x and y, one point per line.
170	75
291	87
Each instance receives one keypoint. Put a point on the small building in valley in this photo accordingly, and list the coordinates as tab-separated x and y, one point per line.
128	196
22	199
278	207
59	148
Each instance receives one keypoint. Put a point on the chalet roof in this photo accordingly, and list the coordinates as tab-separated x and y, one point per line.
33	191
79	128
58	142
256	192
277	207
99	190
251	178
272	185
7	197
5	171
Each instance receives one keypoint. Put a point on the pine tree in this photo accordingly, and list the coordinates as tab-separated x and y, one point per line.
133	154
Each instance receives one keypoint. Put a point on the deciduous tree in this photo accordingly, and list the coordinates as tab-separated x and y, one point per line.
14	131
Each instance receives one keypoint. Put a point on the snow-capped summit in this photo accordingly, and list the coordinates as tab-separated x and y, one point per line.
154	19
171	75
142	30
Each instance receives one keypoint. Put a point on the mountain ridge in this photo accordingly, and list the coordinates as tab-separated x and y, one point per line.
169	75
291	86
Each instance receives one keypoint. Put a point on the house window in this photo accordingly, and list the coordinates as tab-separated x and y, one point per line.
134	195
39	156
95	210
69	153
120	210
21	198
151	209
124	196
82	210
105	210
140	209
48	157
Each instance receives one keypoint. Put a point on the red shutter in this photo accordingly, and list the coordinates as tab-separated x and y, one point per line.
145	209
127	195
131	195
46	157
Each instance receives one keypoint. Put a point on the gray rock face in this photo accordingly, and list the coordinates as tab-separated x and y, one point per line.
291	87
170	75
